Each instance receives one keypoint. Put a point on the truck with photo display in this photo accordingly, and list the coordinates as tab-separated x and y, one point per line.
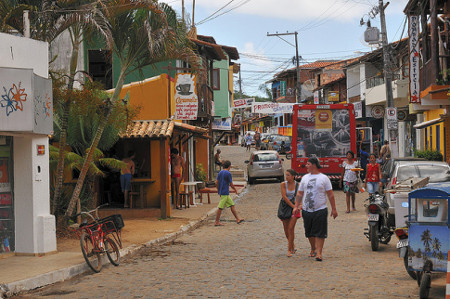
325	131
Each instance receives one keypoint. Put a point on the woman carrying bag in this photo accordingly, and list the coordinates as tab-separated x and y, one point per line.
289	190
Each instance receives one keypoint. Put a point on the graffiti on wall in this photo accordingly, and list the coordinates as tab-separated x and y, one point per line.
42	106
13	98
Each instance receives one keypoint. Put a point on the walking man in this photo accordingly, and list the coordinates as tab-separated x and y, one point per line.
248	141
257	138
314	189
177	163
223	183
126	173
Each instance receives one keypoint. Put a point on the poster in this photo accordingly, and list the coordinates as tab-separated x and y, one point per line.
324	120
186	100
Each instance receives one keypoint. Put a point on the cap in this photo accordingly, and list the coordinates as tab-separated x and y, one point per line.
314	161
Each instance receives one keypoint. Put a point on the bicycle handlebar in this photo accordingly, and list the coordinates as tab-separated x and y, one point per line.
89	213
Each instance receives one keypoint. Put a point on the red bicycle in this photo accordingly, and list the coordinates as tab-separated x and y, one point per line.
99	236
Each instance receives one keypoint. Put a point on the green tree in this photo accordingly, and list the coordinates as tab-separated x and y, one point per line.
140	33
426	238
436	245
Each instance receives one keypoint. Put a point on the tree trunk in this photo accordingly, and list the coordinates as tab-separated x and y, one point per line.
64	123
95	141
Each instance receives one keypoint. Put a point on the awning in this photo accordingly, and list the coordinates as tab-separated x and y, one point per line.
428	123
158	129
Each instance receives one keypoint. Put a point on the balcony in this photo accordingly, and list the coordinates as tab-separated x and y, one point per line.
377	95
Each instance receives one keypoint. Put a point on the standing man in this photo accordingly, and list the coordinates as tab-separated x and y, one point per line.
314	189
126	173
257	138
223	183
177	163
217	159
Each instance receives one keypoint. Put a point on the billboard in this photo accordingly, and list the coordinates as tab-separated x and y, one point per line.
186	100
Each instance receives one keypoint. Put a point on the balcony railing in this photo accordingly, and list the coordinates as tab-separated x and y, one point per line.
205	98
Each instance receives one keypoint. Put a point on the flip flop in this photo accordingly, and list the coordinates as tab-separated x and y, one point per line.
318	259
312	254
347	212
241	220
289	254
220	224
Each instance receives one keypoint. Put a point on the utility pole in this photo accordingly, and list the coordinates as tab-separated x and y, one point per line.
182	9
387	69
299	85
240	83
193	13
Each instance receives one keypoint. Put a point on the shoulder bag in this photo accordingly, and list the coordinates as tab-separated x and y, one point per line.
285	210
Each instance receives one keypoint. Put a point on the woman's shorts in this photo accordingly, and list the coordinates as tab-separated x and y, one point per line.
372	187
351	187
316	223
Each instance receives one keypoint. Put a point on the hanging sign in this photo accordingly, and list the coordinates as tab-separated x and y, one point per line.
186	100
222	124
391	118
272	108
414	59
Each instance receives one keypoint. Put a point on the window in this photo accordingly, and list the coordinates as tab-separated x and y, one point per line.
100	67
216	79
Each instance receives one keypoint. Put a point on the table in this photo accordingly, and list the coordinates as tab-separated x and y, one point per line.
141	182
190	185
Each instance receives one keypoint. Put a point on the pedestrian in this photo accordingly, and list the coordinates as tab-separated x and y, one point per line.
217	159
289	190
248	141
223	183
177	166
363	157
257	138
126	173
311	199
350	179
385	152
373	178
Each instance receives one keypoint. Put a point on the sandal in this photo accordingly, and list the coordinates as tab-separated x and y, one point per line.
312	254
289	254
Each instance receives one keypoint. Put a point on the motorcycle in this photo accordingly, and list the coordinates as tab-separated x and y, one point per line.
289	155
380	228
284	149
402	246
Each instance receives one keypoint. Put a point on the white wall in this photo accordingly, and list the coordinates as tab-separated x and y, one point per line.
21	52
353	85
35	227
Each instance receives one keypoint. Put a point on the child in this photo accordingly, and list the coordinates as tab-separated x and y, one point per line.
223	183
373	177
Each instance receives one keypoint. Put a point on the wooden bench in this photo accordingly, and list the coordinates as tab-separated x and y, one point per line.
209	190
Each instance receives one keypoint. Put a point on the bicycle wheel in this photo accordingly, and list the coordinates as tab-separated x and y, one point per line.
93	259
112	251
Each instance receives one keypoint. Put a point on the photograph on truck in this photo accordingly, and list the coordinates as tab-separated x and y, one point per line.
323	133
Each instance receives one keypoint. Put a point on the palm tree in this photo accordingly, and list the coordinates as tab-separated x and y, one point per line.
436	245
426	238
140	33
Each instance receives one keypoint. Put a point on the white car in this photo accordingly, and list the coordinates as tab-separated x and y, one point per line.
263	165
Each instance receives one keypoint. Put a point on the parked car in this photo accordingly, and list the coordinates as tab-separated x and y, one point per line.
400	169
276	140
263	165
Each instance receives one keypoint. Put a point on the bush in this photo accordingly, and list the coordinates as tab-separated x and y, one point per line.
429	155
200	174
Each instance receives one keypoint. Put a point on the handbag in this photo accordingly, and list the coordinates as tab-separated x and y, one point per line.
285	210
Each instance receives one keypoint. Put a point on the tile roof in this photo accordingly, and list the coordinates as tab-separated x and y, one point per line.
157	129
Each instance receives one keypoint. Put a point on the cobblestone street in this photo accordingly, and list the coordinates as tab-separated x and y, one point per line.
249	260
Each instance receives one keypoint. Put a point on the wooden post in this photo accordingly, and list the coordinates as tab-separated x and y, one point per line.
165	205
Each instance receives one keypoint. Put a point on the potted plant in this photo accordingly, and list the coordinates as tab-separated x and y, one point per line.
200	175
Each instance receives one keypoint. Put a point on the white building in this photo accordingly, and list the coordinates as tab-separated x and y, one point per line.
26	120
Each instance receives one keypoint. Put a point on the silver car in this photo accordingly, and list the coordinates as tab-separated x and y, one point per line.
264	164
401	170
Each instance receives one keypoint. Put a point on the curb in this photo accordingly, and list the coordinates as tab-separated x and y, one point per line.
13	288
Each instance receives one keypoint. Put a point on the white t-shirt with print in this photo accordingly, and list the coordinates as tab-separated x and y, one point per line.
314	187
349	175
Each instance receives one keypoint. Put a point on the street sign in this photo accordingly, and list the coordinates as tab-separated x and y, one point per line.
391	118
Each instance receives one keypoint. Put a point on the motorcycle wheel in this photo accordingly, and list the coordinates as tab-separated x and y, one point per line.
374	241
411	274
425	284
288	156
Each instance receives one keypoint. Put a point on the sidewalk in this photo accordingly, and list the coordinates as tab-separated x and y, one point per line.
23	273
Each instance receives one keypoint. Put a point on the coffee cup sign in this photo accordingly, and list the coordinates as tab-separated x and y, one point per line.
186	101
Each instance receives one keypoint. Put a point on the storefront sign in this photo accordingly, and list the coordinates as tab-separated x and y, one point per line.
272	108
282	88
222	125
26	102
391	118
186	100
333	96
414	60
377	111
358	109
243	103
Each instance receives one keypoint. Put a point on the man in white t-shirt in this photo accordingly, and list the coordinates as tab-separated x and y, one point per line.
312	195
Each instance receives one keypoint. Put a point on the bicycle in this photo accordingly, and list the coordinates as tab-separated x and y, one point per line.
98	237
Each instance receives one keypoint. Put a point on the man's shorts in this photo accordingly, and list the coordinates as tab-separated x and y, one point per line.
225	201
125	181
316	223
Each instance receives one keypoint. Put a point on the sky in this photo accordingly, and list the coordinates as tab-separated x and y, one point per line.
327	29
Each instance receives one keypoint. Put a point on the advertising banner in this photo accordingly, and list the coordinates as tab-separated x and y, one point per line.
186	100
243	103
414	60
324	120
222	125
333	96
272	108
